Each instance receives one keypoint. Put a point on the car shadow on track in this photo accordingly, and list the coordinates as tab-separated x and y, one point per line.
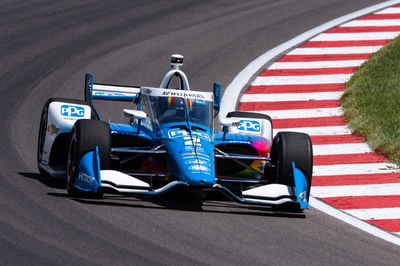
45	180
191	205
178	201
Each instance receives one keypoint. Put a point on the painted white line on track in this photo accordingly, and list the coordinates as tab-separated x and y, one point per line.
356	190
279	97
353	169
369	23
336	50
317	64
295	80
317	131
381	213
320	205
332	149
390	10
232	92
356	36
303	113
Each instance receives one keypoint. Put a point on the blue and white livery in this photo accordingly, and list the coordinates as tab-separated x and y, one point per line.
169	141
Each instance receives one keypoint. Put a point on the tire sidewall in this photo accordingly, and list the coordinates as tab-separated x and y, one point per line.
86	135
291	147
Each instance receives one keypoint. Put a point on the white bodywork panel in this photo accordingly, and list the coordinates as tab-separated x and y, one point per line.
121	179
61	118
269	191
250	126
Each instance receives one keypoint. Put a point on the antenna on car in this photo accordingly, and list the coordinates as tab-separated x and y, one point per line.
176	61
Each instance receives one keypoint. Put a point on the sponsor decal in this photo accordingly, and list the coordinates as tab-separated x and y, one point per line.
249	125
102	93
196	161
199	168
237	141
52	129
72	111
303	197
196	157
192	148
236	124
189	148
192	141
182	94
195	95
194	154
201	135
177	133
189	157
87	179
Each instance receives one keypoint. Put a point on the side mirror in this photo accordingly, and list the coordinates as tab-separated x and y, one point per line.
134	114
228	122
217	98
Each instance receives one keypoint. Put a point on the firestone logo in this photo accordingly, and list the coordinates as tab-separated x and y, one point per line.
87	179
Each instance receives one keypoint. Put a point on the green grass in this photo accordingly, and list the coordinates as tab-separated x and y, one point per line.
371	101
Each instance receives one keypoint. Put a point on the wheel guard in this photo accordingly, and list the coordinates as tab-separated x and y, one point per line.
88	176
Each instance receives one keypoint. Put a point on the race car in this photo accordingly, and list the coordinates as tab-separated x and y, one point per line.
169	142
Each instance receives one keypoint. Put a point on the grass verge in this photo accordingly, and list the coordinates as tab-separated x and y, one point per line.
371	101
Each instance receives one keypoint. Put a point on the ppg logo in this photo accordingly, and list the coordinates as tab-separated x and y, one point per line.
72	111
249	125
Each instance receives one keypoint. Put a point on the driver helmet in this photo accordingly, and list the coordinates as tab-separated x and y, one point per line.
179	103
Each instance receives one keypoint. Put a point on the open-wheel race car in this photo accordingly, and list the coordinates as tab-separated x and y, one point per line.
170	142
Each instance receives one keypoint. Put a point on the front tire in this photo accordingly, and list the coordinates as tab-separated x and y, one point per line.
86	135
289	147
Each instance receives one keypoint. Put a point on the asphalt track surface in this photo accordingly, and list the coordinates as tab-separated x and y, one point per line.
45	49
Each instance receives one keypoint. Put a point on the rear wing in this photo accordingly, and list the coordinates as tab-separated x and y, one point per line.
98	91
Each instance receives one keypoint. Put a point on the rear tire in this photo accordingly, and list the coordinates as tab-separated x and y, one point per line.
289	147
86	135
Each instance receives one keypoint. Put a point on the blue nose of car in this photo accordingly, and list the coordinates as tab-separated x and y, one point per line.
191	158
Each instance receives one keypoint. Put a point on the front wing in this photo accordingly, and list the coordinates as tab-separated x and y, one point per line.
91	178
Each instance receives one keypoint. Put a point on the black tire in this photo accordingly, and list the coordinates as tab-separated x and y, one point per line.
43	127
86	135
289	147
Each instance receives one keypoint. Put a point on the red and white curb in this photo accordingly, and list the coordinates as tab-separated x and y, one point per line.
301	92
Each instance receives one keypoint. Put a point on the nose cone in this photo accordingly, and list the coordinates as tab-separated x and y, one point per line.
199	174
191	159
